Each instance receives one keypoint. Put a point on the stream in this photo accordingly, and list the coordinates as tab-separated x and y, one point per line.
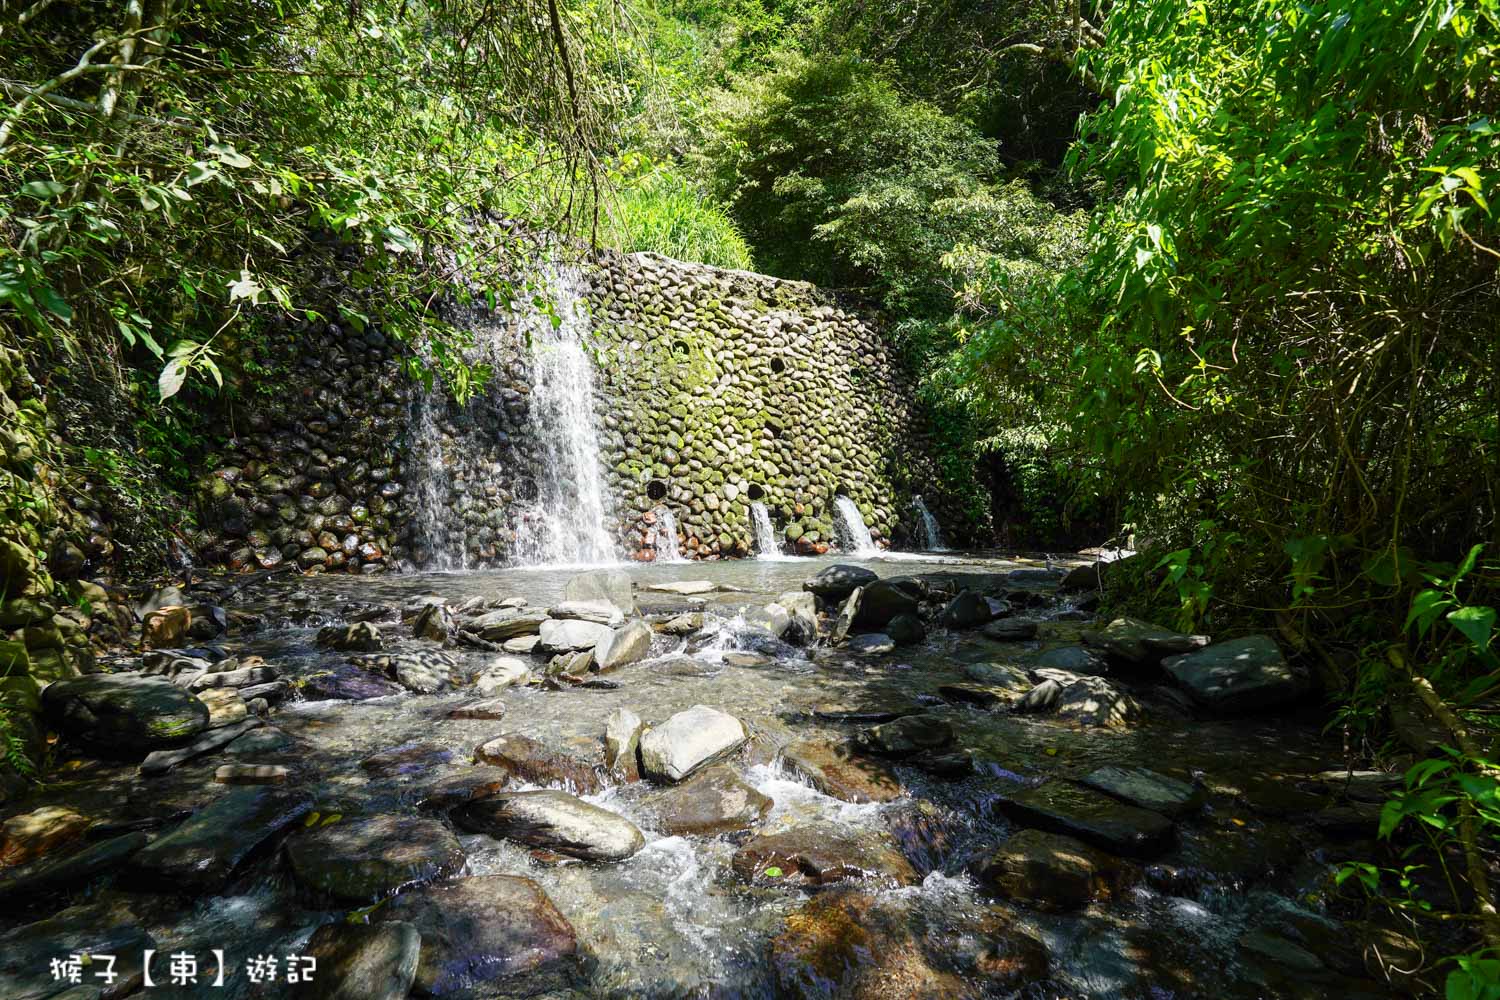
1234	906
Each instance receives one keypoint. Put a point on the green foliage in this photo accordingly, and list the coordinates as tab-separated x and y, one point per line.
658	210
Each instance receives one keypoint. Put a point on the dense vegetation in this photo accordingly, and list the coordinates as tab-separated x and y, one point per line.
1221	275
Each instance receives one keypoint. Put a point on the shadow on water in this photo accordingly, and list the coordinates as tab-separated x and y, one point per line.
674	920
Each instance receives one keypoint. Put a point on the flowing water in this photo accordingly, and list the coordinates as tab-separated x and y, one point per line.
853	536
932	532
566	525
668	549
673	921
767	542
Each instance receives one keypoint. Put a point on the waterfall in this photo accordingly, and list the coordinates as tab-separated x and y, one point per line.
468	471
932	540
767	546
665	538
566	524
854	537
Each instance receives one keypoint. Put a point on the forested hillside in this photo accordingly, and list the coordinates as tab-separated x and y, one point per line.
1216	282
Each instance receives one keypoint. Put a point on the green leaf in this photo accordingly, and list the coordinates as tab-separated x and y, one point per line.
172	377
245	287
1425	608
1476	623
43	190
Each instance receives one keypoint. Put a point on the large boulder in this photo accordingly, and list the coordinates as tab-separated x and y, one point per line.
883	600
610	585
494	935
689	740
1240	675
968	610
124	713
1141	643
361	861
625	645
834	583
553	821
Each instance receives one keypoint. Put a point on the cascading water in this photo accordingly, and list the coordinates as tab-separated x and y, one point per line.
932	533
854	537
766	544
667	549
565	525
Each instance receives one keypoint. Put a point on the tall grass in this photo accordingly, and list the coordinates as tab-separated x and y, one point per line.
661	212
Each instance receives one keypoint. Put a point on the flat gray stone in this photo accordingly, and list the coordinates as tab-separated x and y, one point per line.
553	821
1146	789
610	585
570	636
1240	675
713	801
162	761
600	612
202	853
689	740
1092	817
625	645
508	623
872	644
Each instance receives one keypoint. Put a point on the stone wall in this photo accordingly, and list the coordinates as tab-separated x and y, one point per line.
713	390
724	388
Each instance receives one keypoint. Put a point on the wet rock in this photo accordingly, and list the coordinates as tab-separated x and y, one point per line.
713	801
1095	818
682	624
415	757
123	713
553	821
450	791
494	935
685	588
1073	659
434	622
363	961
251	774
846	618
822	854
361	637
801	609
162	761
877	710
34	834
906	735
1241	675
508	623
570	666
872	644
1147	789
264	740
55	874
360	861
225	705
521	644
600	612
834	583
836	770
967	610
1010	630
625	645
532	761
603	585
1141	643
570	636
689	740
622	740
272	691
906	629
346	682
1087	701
26	953
500	673
883	600
1280	952
490	709
999	675
1051	872
201	853
239	678
978	695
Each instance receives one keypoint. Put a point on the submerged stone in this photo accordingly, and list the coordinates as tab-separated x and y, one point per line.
713	801
1051	872
492	935
364	961
837	771
872	644
361	861
202	853
408	758
1095	818
908	734
1146	789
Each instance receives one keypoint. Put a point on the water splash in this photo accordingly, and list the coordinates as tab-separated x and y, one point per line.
665	538
932	532
854	538
566	524
766	544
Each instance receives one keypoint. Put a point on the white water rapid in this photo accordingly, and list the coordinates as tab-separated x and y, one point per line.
854	537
